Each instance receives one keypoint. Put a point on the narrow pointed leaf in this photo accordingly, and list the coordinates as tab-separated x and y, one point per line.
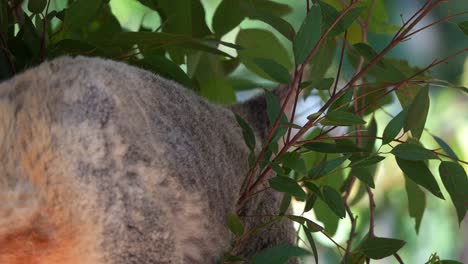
281	25
456	182
334	200
314	227
394	127
342	118
285	202
275	70
409	151
464	27
308	34
379	247
287	185
234	224
416	202
247	132
417	113
418	172
310	238
366	161
278	254
80	13
227	16
445	147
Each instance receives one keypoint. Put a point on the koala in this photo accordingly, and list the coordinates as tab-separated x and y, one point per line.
106	163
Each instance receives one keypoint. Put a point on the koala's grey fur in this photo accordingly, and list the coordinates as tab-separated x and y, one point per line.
102	162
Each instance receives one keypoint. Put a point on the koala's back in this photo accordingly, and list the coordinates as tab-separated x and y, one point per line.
101	162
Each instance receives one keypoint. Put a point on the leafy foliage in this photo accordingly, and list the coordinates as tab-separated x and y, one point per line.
316	164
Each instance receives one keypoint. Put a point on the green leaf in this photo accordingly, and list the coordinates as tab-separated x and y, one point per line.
273	110
334	200
416	202
464	27
164	67
80	13
324	84
456	182
418	172
285	202
325	147
234	224
217	90
36	6
417	113
364	174
278	254
293	161
287	185
275	70
379	247
394	127
227	16
341	118
258	43
310	238
247	132
367	52
311	225
330	14
274	8
327	166
342	102
410	151
308	35
310	202
325	215
366	161
445	261
281	25
445	147
183	17
157	40
321	62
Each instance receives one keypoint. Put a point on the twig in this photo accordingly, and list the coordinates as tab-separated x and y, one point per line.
372	211
398	258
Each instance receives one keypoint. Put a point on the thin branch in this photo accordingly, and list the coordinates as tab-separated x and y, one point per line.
398	258
372	211
340	66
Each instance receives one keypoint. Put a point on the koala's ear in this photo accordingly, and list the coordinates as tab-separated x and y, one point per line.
254	111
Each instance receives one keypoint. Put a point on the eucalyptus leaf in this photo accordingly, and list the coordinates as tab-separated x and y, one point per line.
418	172
394	127
416	202
410	151
456	182
81	12
445	147
278	254
341	118
417	113
464	27
334	200
36	6
228	15
234	224
287	185
308	34
379	247
275	70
